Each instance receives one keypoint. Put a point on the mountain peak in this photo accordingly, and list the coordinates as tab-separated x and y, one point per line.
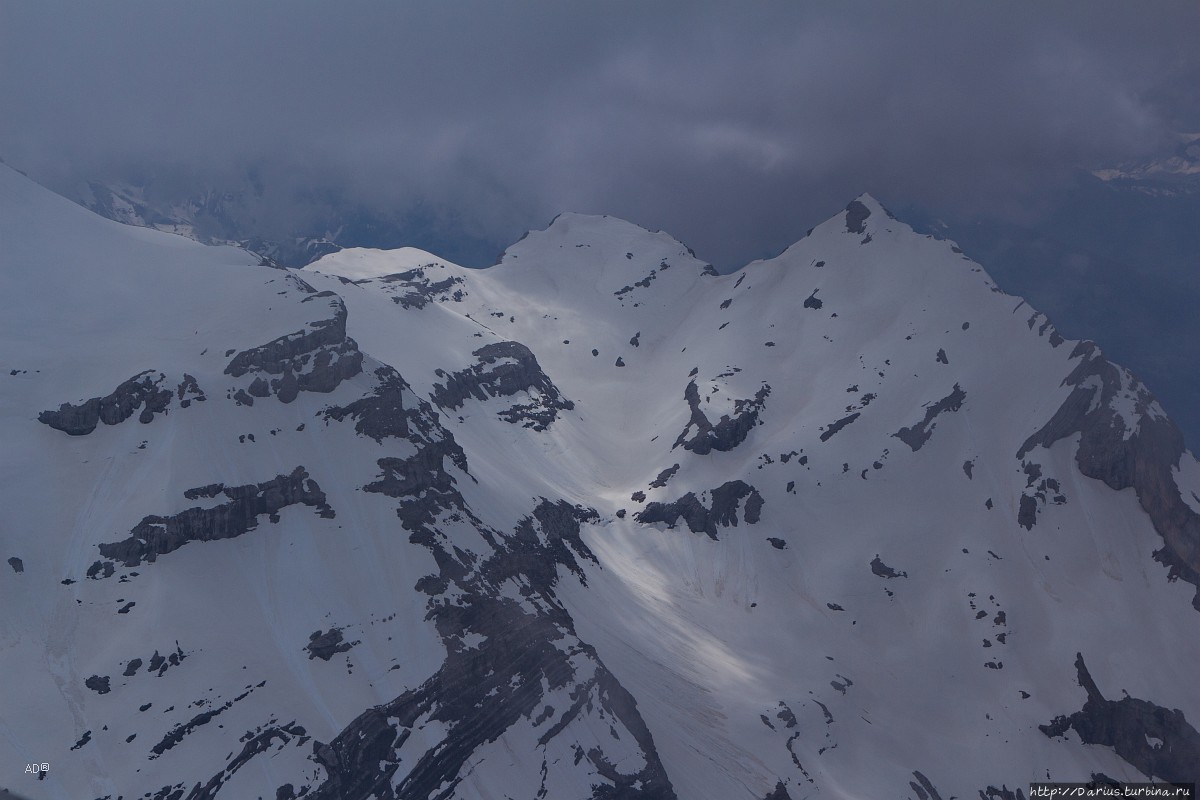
362	263
433	501
862	208
610	251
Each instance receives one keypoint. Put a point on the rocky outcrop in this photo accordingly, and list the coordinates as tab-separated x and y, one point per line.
917	434
414	289
856	217
721	510
505	369
883	570
146	390
702	436
832	429
326	644
315	359
421	483
780	792
664	476
527	653
1158	742
155	536
257	742
1138	447
381	414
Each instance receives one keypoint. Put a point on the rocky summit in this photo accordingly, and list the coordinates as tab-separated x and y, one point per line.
595	522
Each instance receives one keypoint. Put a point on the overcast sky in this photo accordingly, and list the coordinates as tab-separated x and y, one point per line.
732	126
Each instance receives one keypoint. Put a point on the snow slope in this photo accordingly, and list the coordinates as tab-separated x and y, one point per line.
594	522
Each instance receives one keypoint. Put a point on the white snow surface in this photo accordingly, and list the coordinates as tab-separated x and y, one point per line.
947	669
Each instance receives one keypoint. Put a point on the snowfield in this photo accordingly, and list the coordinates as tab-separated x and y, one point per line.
595	522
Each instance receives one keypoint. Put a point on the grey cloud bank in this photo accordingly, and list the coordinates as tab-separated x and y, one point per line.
732	126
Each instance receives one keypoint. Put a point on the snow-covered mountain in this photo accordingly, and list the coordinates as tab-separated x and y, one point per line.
596	522
1173	171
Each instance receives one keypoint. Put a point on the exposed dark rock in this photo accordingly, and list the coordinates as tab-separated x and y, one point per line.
834	427
753	509
414	289
503	370
155	535
177	734
941	357
422	483
780	792
923	788
144	390
527	649
87	737
728	432
316	359
724	501
918	434
1158	742
664	476
18	566
856	217
968	466
211	490
635	340
98	684
884	571
778	544
643	283
132	667
1144	459
1027	513
189	390
620	362
812	301
382	414
256	742
325	645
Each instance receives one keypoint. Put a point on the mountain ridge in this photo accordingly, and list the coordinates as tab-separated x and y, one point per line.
835	530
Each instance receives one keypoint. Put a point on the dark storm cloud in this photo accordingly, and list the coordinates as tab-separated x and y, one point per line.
733	127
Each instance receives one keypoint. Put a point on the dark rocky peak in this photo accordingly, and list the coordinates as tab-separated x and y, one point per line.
624	255
1125	440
